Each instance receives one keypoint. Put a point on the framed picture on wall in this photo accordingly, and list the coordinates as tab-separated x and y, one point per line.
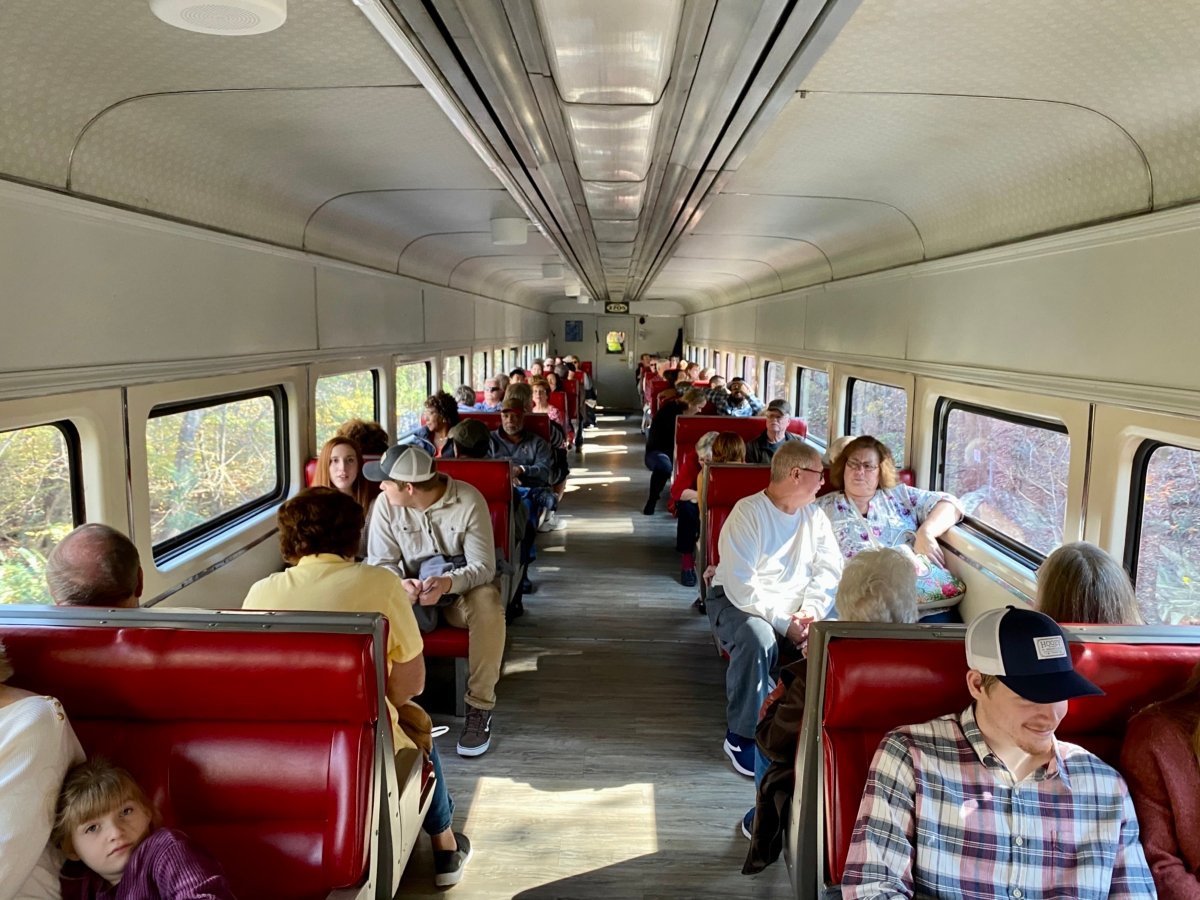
574	331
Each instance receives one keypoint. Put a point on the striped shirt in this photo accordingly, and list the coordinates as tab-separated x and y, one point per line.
941	816
165	866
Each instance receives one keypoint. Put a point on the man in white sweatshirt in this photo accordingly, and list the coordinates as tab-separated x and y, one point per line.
778	572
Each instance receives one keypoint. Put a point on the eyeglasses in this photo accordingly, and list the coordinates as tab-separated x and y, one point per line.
860	466
493	390
820	472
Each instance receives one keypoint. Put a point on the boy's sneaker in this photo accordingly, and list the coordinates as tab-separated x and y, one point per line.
550	523
748	824
740	751
476	735
448	865
687	577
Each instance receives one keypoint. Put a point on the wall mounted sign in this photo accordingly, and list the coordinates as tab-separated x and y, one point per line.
616	306
574	331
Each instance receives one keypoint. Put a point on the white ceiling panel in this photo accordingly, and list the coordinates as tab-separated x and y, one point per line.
61	65
968	172
844	237
375	227
260	163
1134	63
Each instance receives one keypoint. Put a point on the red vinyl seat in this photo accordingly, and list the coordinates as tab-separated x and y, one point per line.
689	429
895	675
725	484
538	423
260	744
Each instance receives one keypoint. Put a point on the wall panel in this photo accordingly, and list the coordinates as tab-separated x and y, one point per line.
356	308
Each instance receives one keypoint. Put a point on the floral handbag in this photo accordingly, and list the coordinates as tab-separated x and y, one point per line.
937	587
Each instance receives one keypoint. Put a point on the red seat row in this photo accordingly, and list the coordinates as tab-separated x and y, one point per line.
872	678
689	429
262	735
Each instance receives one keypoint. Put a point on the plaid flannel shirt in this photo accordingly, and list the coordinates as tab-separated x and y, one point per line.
941	816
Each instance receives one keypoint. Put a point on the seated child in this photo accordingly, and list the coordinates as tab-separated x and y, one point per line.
107	827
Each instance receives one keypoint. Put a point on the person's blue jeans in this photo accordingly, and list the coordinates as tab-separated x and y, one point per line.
753	648
687	526
441	808
659	465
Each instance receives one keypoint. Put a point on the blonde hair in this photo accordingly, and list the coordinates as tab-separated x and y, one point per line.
878	586
92	789
729	448
1081	583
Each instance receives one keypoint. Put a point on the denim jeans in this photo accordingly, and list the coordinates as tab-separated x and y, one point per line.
753	648
441	809
687	526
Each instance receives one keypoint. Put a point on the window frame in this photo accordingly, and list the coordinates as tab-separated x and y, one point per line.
849	378
173	548
1015	550
399	363
376	386
830	416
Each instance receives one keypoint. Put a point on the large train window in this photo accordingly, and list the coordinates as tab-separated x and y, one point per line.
452	372
880	410
1163	552
211	462
478	369
813	406
339	398
498	362
1010	472
41	499
776	388
750	371
412	387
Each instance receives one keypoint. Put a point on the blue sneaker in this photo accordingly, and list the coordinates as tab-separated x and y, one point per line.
740	751
748	824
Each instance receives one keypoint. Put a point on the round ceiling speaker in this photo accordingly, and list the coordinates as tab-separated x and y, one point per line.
227	17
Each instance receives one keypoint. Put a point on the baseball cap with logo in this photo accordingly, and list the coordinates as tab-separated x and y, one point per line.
401	463
780	406
1028	652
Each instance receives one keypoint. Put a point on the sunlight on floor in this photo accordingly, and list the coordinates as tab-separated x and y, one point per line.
607	449
511	811
575	482
614	525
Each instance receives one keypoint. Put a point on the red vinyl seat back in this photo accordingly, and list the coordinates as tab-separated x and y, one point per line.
689	429
479	396
537	423
725	485
558	399
586	365
653	388
873	685
571	397
259	745
493	479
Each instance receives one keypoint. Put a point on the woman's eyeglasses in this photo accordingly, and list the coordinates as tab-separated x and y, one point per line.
860	466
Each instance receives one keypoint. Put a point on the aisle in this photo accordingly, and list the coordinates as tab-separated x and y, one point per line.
606	777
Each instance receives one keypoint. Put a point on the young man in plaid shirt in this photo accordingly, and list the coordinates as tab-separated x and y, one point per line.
987	803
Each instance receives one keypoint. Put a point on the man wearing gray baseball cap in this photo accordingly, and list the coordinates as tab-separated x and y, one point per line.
435	533
988	803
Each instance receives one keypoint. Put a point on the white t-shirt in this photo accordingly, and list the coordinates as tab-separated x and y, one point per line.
37	746
774	564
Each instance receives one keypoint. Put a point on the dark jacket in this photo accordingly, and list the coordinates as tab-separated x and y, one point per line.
760	450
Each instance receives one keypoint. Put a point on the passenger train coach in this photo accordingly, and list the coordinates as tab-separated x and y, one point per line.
971	229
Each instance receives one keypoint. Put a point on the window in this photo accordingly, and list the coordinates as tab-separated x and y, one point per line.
776	382
1010	473
813	407
351	395
614	342
211	462
730	372
1164	553
750	371
514	361
880	410
498	362
452	373
40	501
412	387
478	369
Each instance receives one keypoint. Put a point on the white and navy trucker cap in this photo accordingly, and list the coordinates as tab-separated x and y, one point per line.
1028	652
403	462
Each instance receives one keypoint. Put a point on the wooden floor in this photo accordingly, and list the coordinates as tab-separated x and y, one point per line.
605	778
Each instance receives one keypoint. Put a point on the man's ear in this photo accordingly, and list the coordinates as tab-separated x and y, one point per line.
137	593
975	684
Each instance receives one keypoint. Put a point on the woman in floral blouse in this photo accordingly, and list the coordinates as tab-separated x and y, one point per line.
869	507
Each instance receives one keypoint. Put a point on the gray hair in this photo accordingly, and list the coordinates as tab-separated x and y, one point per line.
790	455
94	565
464	394
878	586
704	445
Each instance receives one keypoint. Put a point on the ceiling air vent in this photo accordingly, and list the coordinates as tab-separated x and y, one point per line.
230	17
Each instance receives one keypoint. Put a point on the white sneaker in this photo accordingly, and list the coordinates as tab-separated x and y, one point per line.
549	523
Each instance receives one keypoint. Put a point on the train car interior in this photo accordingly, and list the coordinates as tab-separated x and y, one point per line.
230	227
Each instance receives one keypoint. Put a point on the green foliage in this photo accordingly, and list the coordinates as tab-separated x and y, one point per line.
814	403
880	410
340	398
35	509
1168	567
412	387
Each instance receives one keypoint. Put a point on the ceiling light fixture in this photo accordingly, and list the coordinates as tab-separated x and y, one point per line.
231	18
508	232
584	300
572	288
